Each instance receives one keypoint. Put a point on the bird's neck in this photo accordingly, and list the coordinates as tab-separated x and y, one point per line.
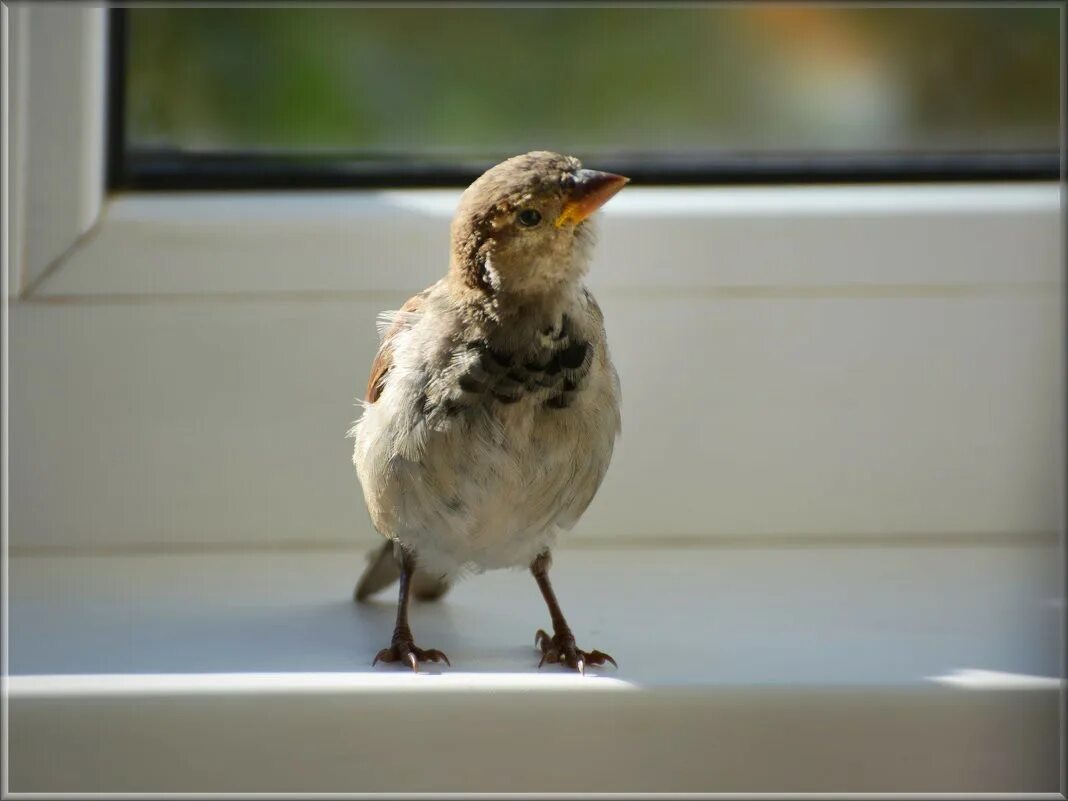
501	311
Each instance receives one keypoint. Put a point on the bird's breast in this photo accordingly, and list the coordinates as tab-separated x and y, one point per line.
484	374
479	453
494	488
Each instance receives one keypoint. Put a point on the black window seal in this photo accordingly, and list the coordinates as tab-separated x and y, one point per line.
173	170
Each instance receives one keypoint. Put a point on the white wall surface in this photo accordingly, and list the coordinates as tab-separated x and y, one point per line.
795	362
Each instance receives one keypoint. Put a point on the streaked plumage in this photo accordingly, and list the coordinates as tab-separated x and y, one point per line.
492	405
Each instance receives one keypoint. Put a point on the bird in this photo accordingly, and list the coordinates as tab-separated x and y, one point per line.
492	406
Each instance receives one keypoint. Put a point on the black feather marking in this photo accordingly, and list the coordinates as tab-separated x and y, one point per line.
535	367
517	374
573	356
469	384
544	381
501	360
507	377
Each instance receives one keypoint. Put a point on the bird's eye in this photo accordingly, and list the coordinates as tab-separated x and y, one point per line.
529	217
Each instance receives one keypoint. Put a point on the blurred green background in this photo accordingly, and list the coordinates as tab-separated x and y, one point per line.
489	82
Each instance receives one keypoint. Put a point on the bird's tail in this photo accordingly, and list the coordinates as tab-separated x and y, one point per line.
382	570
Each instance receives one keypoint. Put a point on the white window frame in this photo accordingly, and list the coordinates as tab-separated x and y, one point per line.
103	290
75	245
56	60
69	238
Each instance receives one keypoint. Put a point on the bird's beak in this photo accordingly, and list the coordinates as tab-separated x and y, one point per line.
592	190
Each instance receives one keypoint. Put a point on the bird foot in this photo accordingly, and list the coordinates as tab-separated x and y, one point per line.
561	648
405	650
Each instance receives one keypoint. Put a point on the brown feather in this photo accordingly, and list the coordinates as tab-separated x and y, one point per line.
379	367
384	358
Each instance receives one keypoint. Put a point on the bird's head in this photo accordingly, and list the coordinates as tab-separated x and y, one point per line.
522	227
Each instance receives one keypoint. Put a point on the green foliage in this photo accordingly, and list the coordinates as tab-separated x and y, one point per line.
493	81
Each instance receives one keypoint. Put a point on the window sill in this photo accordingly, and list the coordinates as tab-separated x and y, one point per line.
816	667
792	240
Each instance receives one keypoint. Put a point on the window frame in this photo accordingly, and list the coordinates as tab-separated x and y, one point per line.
168	170
218	260
57	85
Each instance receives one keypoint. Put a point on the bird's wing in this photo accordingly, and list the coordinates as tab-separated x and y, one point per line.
382	569
392	323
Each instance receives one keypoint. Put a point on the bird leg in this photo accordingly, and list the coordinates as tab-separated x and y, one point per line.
560	647
402	648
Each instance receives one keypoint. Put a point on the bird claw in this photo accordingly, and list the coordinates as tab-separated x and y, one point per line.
406	651
540	635
561	649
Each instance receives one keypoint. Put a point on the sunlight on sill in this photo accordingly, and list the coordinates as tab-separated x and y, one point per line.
428	679
971	679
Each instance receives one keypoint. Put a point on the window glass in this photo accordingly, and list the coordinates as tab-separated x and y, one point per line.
398	83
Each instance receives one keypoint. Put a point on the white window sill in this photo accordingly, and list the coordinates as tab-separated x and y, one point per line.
797	240
818	667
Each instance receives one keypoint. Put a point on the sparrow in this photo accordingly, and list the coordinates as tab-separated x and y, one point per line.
492	406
